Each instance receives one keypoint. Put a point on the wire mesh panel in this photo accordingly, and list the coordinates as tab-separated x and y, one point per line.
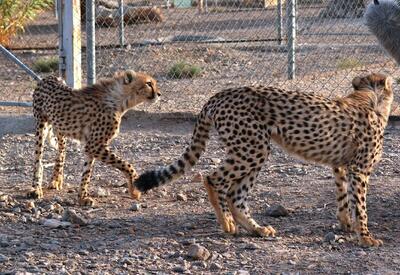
195	48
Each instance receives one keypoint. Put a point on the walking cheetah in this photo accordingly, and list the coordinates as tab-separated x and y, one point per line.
91	115
344	133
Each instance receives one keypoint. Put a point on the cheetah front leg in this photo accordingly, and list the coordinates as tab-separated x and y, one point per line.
358	206
83	195
105	155
37	192
57	179
342	213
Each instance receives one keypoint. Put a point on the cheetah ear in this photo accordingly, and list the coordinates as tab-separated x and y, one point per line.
388	83
129	76
356	83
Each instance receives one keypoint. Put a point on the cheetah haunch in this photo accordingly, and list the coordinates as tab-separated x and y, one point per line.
344	133
91	115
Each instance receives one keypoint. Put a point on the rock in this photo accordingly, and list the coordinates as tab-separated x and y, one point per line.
198	252
101	192
53	223
216	161
215	267
30	205
330	237
277	210
251	246
292	262
3	258
50	246
135	207
181	197
179	269
242	272
71	216
4	198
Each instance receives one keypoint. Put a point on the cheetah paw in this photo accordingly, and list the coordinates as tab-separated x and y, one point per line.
368	241
229	226
56	184
86	201
265	231
134	193
35	194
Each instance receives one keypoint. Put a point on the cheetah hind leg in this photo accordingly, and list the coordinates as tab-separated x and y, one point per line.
224	218
37	191
343	211
237	201
58	172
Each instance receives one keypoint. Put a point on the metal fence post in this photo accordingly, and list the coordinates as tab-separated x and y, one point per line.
121	23
90	42
279	21
71	42
291	46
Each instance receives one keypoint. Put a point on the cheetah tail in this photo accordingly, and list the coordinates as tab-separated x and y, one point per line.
154	178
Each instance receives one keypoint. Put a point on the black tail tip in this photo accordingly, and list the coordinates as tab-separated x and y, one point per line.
146	181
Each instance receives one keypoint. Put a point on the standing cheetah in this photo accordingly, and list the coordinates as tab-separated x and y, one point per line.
91	115
344	133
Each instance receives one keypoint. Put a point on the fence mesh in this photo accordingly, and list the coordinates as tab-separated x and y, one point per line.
196	48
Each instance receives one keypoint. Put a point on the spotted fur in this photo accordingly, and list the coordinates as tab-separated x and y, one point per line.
91	115
343	133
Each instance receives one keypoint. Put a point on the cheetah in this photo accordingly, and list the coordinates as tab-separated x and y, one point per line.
344	133
91	115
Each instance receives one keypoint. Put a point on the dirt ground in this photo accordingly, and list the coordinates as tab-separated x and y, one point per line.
156	238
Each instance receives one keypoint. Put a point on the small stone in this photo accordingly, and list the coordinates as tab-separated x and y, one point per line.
17	210
4	198
30	205
216	161
101	192
58	208
292	262
215	267
71	216
330	237
242	272
24	219
251	246
135	207
277	210
198	252
181	197
179	269
53	223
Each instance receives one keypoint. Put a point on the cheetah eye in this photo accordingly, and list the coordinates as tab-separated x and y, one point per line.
148	83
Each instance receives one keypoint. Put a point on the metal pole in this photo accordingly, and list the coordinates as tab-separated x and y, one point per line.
61	54
291	12
12	57
90	42
121	23
279	21
71	16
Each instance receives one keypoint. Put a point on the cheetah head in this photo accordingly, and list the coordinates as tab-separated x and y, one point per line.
138	87
375	82
378	87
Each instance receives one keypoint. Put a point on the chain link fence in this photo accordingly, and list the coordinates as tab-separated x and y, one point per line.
196	48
